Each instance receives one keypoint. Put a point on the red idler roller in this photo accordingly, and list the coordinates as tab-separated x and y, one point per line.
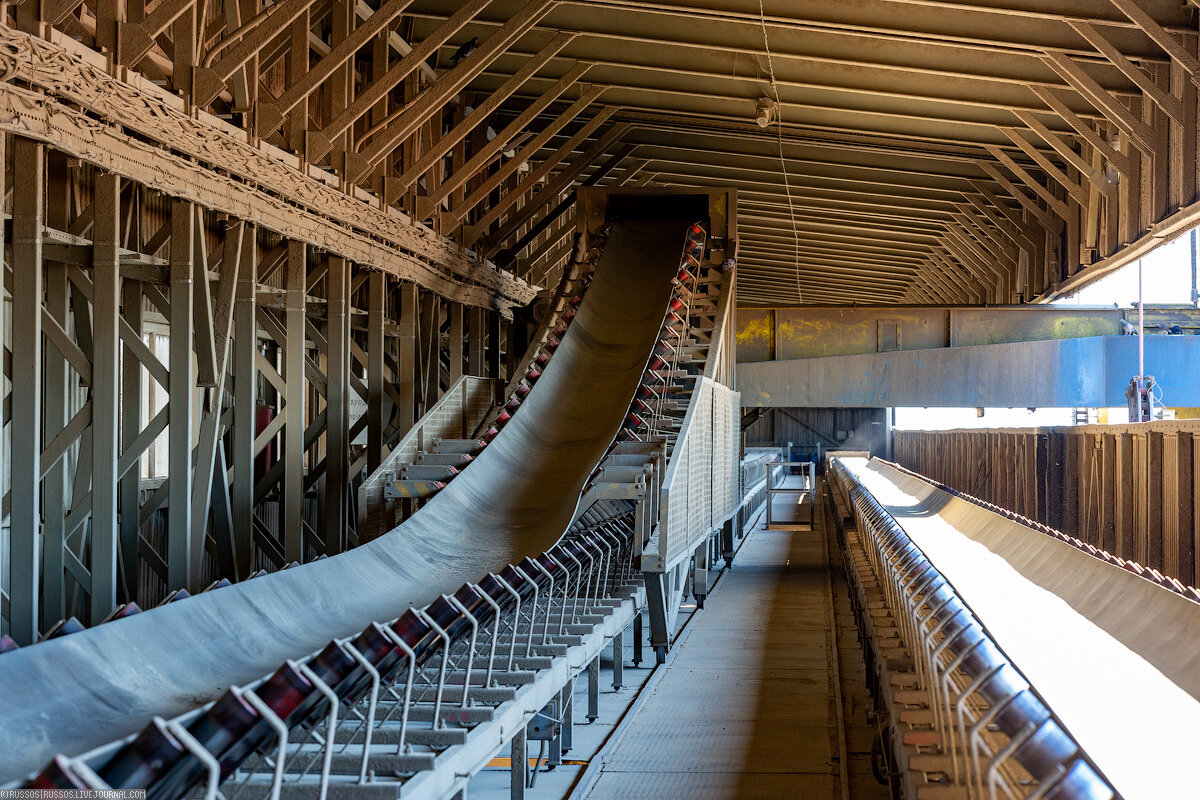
57	775
64	627
529	567
549	564
575	301
543	358
676	305
560	331
491	586
512	405
522	390
289	695
122	611
553	344
568	315
415	632
696	230
145	761
226	723
532	376
489	434
333	665
641	406
647	392
8	644
502	418
380	651
633	421
657	363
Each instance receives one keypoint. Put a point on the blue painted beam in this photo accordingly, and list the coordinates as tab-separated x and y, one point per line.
1067	373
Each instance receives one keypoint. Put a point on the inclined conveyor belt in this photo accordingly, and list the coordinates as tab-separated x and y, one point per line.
1073	643
72	694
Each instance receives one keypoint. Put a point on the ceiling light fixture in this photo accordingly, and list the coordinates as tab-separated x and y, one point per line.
766	112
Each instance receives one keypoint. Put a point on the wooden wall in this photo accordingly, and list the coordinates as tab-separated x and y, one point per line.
1128	489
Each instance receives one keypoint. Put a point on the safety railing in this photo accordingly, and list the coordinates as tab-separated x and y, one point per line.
454	416
700	485
991	733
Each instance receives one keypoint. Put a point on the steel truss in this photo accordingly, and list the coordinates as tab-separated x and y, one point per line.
279	353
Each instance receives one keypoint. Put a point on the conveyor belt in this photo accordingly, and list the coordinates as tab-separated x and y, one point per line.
71	694
1114	658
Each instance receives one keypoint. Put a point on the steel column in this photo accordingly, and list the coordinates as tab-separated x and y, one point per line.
106	364
25	519
292	512
56	499
245	401
180	392
131	426
476	333
376	318
406	380
456	312
337	400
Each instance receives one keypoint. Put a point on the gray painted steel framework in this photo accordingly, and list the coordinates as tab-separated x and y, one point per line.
254	321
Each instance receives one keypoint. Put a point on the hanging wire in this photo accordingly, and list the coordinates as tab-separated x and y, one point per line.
787	185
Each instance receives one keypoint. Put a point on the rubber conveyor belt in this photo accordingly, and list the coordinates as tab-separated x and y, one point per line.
1113	655
74	693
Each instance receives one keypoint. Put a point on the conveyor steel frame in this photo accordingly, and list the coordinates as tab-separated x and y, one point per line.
954	655
622	313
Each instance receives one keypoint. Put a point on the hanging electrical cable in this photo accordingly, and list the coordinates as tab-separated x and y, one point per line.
787	184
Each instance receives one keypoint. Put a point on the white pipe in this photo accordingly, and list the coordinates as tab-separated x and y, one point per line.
1141	331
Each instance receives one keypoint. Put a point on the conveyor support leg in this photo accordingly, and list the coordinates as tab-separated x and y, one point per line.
594	690
618	645
638	635
657	597
520	764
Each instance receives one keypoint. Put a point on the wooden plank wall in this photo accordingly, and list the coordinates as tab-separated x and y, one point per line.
1129	489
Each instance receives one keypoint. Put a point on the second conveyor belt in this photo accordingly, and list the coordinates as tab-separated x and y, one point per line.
74	693
1115	657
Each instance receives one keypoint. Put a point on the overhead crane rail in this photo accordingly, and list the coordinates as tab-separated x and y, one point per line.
1008	661
85	696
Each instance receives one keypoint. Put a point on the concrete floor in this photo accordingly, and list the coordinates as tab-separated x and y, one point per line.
589	737
746	706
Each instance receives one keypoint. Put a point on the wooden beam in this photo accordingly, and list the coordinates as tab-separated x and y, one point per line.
378	90
1057	205
1075	190
443	146
1160	36
268	117
408	119
209	80
1141	134
534	177
1089	134
1172	106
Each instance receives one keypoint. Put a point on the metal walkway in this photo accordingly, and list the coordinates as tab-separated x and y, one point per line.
746	707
